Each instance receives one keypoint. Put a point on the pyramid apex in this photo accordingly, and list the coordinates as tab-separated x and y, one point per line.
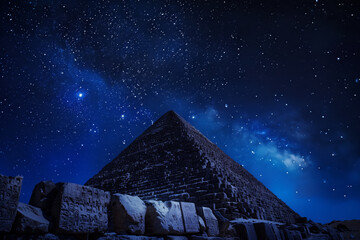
171	114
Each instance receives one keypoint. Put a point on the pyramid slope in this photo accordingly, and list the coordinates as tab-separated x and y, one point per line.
172	160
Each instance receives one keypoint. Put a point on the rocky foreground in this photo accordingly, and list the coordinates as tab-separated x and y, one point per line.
72	211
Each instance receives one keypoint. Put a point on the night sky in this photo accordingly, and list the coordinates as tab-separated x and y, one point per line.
275	84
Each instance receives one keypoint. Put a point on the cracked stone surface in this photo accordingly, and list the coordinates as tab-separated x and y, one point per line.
79	209
10	188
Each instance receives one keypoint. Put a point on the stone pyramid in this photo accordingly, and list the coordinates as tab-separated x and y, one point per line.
172	160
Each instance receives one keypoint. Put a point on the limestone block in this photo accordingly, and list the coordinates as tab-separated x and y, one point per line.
163	218
202	224
128	213
224	223
79	209
191	221
39	196
314	227
245	231
10	188
334	234
303	229
276	231
264	231
30	219
211	222
293	235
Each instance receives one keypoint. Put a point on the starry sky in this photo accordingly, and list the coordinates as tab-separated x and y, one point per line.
275	84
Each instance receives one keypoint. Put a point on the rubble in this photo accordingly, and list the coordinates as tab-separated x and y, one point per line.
30	219
245	231
202	225
79	209
128	213
39	197
164	218
192	223
223	222
211	222
292	235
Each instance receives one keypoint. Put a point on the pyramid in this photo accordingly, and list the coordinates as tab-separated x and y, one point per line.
172	160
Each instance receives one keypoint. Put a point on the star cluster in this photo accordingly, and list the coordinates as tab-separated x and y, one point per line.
275	84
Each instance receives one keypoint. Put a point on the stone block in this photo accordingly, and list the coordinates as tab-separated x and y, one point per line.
79	209
314	227
276	231
211	222
292	235
224	223
245	231
10	188
39	196
202	225
163	218
190	217
264	231
303	229
333	233
30	219
128	214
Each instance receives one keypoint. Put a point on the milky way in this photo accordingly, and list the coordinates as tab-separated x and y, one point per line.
275	84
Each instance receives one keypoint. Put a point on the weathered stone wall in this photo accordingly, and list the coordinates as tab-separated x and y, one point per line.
30	219
173	161
81	212
10	188
79	209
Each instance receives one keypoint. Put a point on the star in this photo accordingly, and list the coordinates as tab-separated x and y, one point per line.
225	69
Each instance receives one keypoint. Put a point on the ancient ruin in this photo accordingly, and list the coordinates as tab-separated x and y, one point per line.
79	209
170	183
172	160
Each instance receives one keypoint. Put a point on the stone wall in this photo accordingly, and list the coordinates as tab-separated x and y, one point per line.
79	209
81	212
10	188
